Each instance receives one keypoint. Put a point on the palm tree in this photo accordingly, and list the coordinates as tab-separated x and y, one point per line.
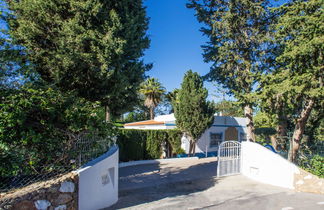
153	91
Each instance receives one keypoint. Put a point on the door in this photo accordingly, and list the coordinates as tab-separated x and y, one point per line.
231	134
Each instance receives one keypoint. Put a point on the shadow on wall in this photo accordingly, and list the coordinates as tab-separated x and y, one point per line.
146	183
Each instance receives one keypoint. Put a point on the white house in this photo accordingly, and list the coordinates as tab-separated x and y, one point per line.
224	128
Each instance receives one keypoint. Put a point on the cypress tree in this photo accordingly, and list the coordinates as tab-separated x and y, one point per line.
192	112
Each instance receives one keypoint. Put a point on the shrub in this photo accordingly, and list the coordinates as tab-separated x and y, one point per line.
146	144
131	145
38	129
316	166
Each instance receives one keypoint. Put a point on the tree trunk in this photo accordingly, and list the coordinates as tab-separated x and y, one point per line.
281	133
151	113
274	142
282	126
299	130
190	148
250	125
107	114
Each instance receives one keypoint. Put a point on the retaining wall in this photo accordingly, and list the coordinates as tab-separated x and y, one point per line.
98	182
94	186
59	194
263	165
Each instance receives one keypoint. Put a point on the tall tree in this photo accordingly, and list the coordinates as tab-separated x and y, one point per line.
92	47
300	32
153	91
236	30
192	111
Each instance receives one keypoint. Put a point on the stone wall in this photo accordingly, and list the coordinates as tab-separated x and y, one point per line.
55	194
307	182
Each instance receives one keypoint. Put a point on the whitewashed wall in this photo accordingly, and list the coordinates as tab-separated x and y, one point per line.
203	143
263	165
98	182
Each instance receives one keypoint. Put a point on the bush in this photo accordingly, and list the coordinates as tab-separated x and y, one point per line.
146	144
38	129
316	166
131	144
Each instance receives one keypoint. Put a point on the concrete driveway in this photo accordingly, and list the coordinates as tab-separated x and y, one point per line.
191	184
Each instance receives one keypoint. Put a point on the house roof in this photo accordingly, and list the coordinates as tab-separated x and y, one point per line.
147	122
221	121
159	120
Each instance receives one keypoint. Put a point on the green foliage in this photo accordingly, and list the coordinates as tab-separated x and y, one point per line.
92	47
300	33
153	91
164	107
38	128
236	30
193	113
315	125
136	116
132	144
295	87
153	143
315	165
265	127
146	144
229	108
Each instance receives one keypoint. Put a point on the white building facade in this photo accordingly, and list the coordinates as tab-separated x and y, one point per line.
224	128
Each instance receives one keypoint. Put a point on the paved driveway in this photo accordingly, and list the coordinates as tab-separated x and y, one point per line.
191	184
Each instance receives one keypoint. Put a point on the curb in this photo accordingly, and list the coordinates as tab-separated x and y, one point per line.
144	162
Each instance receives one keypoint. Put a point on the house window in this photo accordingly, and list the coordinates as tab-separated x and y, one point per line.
243	137
215	139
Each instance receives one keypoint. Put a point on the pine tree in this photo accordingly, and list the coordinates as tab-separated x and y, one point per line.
299	80
192	112
92	47
236	30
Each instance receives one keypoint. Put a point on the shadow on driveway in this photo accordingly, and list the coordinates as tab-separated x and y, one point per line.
146	183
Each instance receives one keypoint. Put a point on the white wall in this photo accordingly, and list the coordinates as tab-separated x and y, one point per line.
205	138
98	181
263	165
203	143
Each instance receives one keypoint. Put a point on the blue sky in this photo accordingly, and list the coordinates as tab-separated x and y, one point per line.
175	42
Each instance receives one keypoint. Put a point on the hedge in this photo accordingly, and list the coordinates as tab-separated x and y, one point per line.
146	144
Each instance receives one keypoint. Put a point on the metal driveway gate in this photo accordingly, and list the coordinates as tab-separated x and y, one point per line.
229	158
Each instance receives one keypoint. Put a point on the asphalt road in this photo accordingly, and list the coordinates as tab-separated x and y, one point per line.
192	185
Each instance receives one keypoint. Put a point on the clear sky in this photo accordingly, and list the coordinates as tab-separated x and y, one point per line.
175	42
